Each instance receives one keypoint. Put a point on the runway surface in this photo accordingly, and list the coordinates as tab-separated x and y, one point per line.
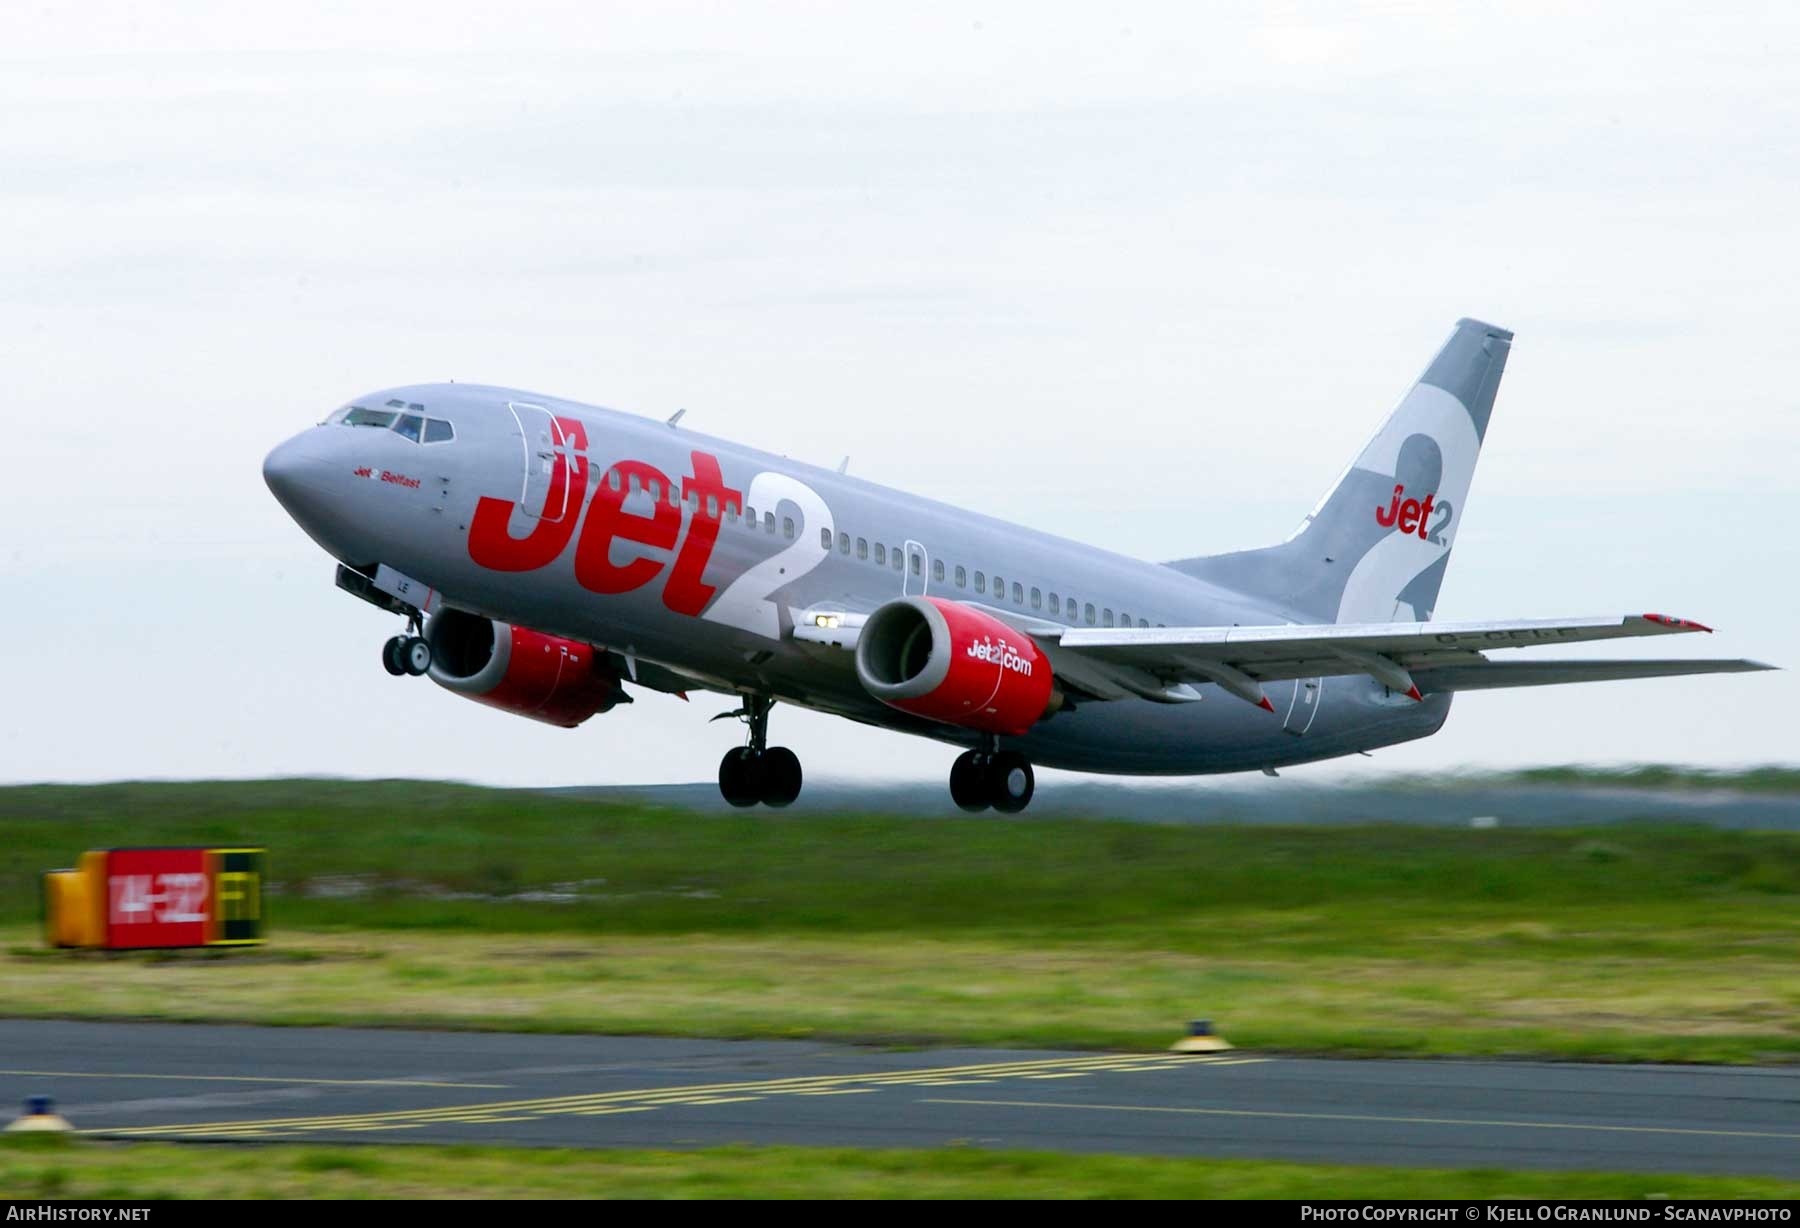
173	1081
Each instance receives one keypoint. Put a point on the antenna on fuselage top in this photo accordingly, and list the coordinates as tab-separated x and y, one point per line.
676	417
844	465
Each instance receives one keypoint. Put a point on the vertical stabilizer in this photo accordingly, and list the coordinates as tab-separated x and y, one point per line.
1376	547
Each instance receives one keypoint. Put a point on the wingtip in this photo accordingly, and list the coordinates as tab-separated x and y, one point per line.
1679	624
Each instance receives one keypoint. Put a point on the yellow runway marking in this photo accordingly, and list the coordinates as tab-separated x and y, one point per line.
636	1108
1417	1121
186	1078
640	1100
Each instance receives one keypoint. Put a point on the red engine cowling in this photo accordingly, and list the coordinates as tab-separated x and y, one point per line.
946	662
528	673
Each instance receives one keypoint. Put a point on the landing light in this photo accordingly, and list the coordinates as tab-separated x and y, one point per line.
828	621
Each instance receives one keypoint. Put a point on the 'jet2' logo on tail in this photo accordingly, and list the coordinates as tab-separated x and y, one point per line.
1412	516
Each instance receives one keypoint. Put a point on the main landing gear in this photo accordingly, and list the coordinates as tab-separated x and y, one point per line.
408	653
992	777
757	772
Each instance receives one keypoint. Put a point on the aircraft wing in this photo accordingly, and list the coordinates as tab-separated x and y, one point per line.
1163	663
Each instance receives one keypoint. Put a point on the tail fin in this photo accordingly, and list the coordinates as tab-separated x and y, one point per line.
1376	547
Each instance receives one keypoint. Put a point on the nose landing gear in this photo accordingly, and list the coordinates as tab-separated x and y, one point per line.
757	772
1002	779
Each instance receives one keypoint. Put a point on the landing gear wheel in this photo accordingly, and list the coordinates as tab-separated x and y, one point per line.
968	782
390	656
416	656
758	772
741	777
1010	782
780	777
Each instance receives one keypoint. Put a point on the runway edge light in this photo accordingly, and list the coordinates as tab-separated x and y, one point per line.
40	1117
1200	1039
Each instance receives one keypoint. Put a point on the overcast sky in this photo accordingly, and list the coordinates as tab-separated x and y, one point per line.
1146	277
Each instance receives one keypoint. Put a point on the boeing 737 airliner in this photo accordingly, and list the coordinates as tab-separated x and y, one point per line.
549	555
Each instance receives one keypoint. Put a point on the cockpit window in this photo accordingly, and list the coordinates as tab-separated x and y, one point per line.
415	427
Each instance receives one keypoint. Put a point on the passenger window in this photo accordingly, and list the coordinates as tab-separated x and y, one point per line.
1018	593
632	485
612	478
693	500
937	569
894	557
999	588
438	431
1142	623
980	582
1037	599
749	512
1090	614
843	543
787	527
409	427
1124	619
918	568
1055	605
962	576
862	547
880	555
655	491
1106	618
768	522
825	539
712	507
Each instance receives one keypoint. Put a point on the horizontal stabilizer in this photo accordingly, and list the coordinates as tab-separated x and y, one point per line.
1407	658
1489	675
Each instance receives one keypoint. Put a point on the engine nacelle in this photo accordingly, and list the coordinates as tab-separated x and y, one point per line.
528	673
946	662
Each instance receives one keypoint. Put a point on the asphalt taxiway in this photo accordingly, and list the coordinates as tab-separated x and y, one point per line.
175	1081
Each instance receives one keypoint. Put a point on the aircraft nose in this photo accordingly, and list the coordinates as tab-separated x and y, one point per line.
298	473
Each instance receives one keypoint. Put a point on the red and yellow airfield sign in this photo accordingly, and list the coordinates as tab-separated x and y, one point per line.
156	897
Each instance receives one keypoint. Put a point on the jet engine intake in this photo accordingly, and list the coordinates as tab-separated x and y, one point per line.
948	662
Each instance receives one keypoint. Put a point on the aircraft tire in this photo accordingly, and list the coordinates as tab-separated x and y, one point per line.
415	655
390	656
781	777
1010	782
968	783
740	777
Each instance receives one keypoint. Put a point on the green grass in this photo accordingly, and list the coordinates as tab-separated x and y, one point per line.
74	1168
403	903
1660	776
